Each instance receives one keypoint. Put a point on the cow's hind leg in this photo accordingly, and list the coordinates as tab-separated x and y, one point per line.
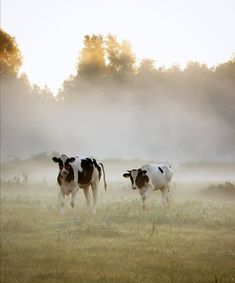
168	195
94	187
87	196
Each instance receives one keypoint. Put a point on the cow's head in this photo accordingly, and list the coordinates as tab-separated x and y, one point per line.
138	178
64	164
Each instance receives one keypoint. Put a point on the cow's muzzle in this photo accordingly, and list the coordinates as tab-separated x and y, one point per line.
64	172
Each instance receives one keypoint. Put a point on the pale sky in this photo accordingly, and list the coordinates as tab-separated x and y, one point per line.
49	33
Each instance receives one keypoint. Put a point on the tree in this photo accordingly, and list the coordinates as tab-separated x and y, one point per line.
92	59
197	73
121	59
113	54
127	58
196	68
146	67
10	57
227	69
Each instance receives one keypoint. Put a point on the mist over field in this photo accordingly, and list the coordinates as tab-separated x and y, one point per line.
115	107
172	120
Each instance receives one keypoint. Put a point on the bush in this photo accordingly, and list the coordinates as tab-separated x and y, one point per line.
226	189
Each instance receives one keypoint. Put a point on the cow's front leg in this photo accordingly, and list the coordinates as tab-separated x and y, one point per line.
61	200
143	200
144	192
165	198
73	195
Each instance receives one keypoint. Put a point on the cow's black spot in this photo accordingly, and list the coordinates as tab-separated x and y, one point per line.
141	179
85	176
70	176
60	164
97	167
160	169
132	181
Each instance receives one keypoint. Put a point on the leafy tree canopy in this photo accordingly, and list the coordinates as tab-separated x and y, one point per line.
10	56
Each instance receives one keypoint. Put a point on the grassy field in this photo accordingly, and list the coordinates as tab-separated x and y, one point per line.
193	240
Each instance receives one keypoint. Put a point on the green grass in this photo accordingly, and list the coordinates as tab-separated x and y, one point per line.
191	241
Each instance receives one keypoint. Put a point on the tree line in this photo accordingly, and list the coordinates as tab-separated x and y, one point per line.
104	60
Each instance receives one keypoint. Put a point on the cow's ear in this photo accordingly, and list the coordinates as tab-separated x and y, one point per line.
55	159
144	172
126	175
71	159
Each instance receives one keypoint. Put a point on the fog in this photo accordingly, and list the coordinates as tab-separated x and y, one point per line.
157	122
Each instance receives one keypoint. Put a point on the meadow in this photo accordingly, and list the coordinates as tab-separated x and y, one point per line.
193	240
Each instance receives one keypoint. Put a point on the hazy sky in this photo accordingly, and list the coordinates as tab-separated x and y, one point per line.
50	32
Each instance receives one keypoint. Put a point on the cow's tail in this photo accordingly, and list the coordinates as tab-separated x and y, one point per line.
105	184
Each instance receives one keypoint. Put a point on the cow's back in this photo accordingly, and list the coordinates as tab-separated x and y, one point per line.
160	174
84	164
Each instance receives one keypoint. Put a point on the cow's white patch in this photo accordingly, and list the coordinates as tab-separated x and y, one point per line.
63	158
158	179
134	174
77	166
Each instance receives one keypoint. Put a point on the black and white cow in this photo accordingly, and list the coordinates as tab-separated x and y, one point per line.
75	173
149	178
